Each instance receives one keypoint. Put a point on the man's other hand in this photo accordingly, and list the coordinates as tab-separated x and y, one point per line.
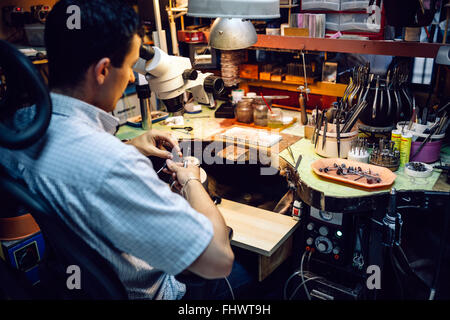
156	143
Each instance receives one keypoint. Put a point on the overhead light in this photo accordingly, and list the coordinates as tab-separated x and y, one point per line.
248	9
232	34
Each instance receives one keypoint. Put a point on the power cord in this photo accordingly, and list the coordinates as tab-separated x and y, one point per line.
303	277
229	286
304	283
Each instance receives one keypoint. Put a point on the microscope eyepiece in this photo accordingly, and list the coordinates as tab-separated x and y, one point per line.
213	84
190	74
146	53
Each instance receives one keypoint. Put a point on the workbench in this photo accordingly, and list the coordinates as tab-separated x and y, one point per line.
269	234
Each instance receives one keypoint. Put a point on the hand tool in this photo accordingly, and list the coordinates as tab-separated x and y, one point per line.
304	116
424	116
291	153
187	130
374	106
298	162
317	129
354	117
316	115
324	132
338	137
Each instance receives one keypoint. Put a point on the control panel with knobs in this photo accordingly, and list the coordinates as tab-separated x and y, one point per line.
325	235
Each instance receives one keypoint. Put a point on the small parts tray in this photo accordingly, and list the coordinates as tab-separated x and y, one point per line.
385	175
156	117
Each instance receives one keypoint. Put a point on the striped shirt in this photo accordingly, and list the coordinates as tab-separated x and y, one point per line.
108	193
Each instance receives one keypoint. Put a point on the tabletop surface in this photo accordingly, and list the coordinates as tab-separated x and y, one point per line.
206	127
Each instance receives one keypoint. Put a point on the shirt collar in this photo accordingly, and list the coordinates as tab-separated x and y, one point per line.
84	111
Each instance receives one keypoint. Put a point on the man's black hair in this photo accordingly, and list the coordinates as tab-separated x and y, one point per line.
107	29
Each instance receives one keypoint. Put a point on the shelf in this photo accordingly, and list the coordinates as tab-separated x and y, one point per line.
377	47
319	88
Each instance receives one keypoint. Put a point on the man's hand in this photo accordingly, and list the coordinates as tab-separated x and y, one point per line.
153	143
181	174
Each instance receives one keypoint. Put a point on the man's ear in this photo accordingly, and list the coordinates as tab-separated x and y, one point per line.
101	70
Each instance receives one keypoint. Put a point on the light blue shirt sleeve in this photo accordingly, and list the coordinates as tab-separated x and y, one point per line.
141	215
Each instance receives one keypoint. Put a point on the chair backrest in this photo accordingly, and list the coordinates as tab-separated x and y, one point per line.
65	248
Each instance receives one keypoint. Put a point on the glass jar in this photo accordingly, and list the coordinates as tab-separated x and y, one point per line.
260	110
275	119
244	111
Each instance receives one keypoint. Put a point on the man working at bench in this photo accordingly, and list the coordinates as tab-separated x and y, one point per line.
106	190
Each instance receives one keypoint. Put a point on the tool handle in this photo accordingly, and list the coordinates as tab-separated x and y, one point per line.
304	116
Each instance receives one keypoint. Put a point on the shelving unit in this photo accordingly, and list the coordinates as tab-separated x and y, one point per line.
376	47
318	87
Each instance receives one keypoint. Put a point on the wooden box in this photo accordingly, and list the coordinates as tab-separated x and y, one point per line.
264	76
249	71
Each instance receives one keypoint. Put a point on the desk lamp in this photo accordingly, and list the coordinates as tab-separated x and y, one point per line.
232	30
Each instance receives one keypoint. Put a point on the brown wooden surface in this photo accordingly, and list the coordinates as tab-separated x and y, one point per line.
378	47
266	265
255	229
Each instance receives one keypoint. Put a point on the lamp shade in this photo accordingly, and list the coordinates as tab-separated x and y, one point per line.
232	34
248	9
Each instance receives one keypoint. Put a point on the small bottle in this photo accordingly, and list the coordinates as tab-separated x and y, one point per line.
260	113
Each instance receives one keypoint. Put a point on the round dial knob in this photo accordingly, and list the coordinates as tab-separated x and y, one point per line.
323	245
323	231
309	241
336	250
310	226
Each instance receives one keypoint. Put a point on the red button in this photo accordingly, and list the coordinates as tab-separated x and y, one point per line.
336	256
296	211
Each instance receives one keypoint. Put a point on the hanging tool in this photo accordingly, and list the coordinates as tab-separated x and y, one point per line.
374	106
324	132
304	74
303	114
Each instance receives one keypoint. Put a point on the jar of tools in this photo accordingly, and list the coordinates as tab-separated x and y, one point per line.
244	111
260	111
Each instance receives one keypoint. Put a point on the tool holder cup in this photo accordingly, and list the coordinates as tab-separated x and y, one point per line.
330	150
